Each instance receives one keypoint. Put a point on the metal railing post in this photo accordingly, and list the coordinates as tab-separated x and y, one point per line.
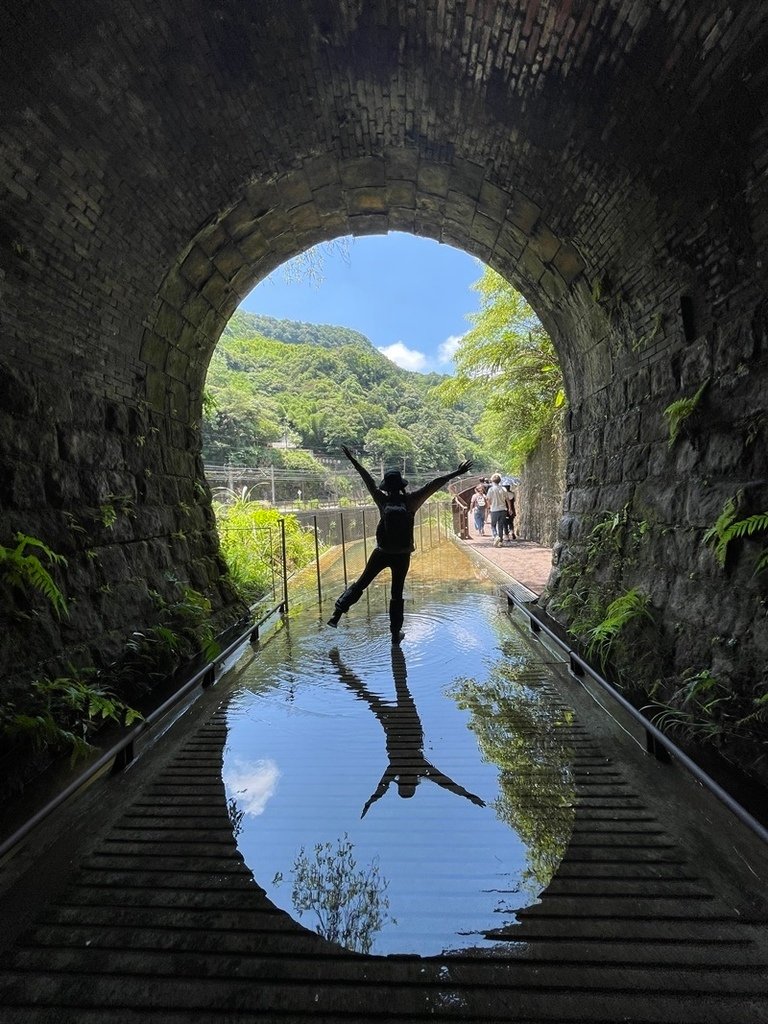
285	565
365	540
317	565
343	547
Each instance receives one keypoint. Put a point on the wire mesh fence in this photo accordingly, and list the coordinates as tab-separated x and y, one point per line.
335	545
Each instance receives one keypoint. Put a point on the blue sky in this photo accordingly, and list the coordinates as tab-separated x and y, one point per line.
410	296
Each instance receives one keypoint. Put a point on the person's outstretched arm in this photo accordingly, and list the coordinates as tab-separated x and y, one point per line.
366	477
417	498
380	790
438	777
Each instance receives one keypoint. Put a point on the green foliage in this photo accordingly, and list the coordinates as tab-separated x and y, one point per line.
728	528
678	412
183	631
21	567
62	714
625	609
322	387
524	733
349	903
115	505
507	364
696	710
251	543
704	709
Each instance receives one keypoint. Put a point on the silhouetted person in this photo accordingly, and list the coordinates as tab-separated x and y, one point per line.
394	537
403	732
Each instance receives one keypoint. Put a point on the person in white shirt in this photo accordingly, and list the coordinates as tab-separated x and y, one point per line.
497	502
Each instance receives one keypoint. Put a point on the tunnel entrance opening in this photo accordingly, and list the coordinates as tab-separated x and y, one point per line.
284	392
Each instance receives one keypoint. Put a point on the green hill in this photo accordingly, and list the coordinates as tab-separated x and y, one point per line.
322	386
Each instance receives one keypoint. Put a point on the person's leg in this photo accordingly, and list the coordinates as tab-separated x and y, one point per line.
399	565
376	562
496	527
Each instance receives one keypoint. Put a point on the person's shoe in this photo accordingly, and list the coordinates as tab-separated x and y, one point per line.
334	619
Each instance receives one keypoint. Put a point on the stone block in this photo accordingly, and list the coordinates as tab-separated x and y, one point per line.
239	221
196	267
366	172
401	193
524	213
493	202
293	190
366	201
368	224
568	263
544	242
434	179
467	179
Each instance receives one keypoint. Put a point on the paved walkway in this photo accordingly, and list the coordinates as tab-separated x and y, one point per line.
523	560
146	911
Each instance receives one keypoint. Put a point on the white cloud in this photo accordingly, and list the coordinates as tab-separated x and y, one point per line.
408	358
447	349
251	784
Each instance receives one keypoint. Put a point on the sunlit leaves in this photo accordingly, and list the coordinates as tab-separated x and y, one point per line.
507	359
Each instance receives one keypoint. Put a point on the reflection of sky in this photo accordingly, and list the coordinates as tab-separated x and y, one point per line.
251	784
454	869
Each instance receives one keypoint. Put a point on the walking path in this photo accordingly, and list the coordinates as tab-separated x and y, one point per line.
146	911
523	560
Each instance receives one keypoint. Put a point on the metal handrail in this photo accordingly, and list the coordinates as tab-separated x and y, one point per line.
122	753
657	740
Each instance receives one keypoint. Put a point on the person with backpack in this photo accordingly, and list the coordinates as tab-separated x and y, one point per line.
394	538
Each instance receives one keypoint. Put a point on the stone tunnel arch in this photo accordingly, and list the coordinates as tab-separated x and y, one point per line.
171	162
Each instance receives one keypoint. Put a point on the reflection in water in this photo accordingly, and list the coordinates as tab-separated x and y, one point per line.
349	903
252	783
456	875
404	734
522	730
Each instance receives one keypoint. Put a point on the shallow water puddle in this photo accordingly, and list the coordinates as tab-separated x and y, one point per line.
400	800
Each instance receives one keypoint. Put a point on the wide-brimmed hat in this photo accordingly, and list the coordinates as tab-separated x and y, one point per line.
393	481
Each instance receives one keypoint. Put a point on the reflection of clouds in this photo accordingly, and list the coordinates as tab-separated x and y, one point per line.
252	783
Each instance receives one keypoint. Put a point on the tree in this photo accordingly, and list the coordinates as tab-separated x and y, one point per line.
508	358
390	445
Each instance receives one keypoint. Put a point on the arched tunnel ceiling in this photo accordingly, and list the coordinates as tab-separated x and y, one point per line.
608	157
548	138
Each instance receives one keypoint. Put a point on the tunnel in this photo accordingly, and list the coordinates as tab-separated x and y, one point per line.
607	157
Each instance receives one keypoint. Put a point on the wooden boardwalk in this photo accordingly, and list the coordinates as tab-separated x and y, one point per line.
152	915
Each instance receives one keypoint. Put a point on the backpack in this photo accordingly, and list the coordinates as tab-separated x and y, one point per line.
394	534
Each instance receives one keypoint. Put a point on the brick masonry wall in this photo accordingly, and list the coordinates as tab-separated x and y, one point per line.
607	156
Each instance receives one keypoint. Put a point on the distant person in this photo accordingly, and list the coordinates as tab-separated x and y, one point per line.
394	538
509	526
478	507
404	735
497	503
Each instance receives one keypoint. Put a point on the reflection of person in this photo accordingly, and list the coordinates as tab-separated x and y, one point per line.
404	735
478	506
394	537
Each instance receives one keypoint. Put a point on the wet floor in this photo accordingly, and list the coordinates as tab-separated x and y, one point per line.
376	790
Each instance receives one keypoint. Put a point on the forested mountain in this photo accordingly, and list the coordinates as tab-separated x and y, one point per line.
321	387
